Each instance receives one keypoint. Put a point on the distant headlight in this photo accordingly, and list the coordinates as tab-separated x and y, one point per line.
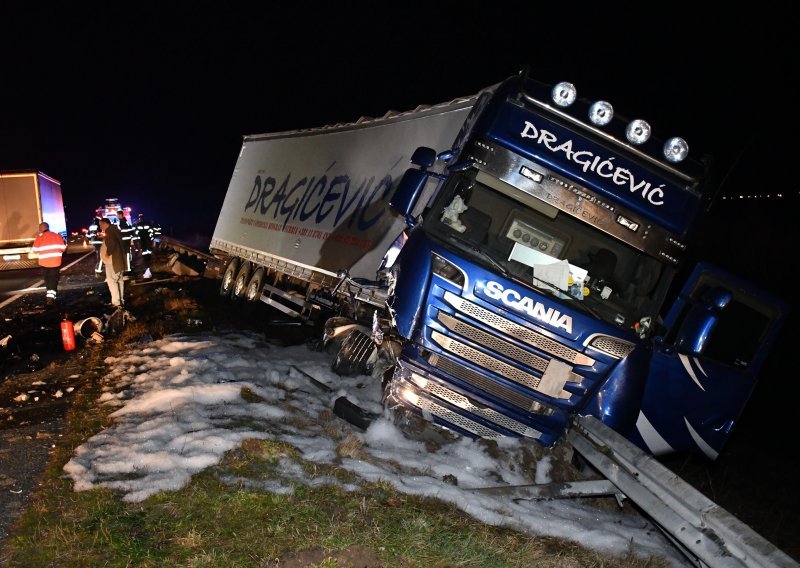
601	113
564	94
676	149
638	132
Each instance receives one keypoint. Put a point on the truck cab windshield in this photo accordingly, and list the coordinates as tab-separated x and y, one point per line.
497	225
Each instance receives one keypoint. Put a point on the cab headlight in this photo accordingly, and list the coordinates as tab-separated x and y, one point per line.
445	269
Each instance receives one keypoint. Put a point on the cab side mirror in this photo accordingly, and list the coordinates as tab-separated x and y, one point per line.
698	326
410	186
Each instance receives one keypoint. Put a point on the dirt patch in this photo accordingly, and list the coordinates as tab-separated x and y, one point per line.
352	557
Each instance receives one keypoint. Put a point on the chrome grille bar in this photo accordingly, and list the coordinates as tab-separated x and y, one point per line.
522	333
486	384
464	403
510	372
493	342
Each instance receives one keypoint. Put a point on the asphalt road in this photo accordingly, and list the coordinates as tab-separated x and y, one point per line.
38	378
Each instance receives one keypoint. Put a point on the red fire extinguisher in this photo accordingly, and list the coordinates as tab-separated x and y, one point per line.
68	334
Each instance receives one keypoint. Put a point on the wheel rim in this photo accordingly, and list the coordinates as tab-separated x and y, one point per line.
254	287
239	287
227	279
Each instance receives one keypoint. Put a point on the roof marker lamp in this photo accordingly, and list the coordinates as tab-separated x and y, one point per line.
601	113
676	149
564	94
638	132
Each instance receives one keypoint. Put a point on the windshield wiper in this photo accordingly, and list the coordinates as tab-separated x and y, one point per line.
482	253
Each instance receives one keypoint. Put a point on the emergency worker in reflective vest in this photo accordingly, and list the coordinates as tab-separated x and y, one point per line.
127	231
49	246
144	234
93	234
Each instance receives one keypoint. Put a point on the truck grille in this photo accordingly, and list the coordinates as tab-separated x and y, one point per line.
422	388
493	342
517	331
510	372
484	383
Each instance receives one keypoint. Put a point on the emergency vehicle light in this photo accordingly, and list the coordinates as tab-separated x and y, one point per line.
601	113
564	94
638	132
676	149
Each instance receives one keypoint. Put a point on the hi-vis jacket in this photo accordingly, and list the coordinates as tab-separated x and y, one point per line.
127	231
49	246
94	233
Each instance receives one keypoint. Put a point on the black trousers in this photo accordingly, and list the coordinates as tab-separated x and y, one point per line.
51	276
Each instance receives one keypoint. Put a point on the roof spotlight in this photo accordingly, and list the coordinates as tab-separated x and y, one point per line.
676	149
638	132
601	113
564	94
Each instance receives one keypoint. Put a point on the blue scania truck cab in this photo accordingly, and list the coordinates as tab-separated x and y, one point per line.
546	278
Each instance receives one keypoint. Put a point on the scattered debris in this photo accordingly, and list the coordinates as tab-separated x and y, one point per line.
88	326
182	265
352	413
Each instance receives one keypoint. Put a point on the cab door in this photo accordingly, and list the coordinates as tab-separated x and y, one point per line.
720	331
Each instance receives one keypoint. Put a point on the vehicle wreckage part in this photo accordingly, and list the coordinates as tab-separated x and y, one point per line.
352	413
88	326
356	356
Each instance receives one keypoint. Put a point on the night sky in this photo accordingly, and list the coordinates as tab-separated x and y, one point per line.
148	101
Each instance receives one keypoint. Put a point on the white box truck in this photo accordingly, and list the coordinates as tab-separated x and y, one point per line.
27	198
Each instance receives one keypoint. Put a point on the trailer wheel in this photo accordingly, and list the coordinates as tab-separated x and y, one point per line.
228	278
240	284
254	287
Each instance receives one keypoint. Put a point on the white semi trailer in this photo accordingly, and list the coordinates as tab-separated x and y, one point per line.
304	205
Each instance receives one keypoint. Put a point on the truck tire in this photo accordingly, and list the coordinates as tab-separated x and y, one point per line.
228	278
240	283
254	286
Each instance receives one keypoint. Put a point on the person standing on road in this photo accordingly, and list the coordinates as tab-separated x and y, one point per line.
127	235
144	233
96	240
112	251
49	246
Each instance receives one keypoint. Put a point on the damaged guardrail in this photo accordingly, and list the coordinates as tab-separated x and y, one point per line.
705	532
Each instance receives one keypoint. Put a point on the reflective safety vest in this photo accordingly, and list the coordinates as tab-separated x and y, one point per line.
144	234
49	246
93	233
127	232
